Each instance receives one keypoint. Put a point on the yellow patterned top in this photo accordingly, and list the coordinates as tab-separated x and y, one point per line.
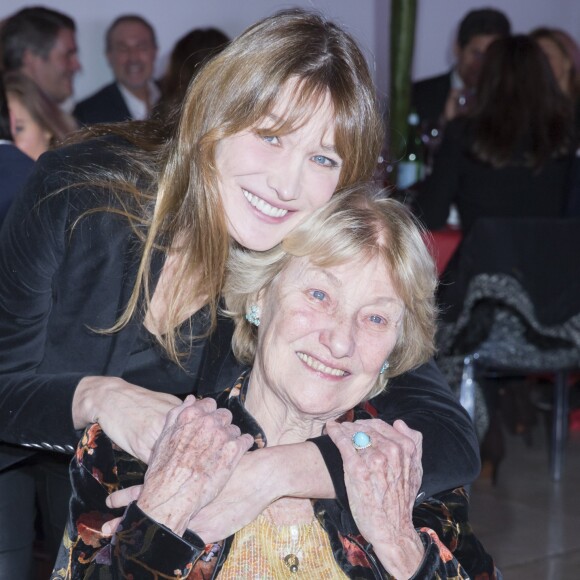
260	548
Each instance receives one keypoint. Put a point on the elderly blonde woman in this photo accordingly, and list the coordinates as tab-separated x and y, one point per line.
324	319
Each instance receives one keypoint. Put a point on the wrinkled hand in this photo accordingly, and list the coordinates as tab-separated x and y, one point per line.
131	416
191	462
382	482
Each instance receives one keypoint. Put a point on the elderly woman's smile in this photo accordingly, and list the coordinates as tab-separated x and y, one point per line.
324	335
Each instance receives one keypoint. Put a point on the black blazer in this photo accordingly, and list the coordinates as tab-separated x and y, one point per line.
56	283
480	190
428	97
15	167
105	106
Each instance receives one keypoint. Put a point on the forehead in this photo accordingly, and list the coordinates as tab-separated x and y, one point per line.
125	31
479	42
361	278
294	108
65	41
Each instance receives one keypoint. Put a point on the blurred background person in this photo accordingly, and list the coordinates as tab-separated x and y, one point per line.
14	169
564	56
190	52
36	122
441	98
131	49
512	155
41	44
16	484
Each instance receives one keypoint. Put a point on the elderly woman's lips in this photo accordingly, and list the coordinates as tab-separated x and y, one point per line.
318	366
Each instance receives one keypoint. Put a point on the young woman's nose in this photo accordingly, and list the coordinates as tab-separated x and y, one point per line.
285	177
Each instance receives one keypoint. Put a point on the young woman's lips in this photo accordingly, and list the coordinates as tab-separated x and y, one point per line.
264	207
318	366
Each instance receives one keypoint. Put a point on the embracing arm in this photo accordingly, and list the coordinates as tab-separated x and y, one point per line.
57	284
192	461
34	407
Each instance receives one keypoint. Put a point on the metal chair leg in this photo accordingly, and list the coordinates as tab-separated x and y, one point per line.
559	426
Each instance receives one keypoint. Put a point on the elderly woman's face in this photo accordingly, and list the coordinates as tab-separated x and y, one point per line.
270	184
325	333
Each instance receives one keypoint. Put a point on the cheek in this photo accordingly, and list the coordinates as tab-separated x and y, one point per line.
319	189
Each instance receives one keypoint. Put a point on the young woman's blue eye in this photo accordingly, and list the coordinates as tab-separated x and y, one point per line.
271	139
324	161
318	295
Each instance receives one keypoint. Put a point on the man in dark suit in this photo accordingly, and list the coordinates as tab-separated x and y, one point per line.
439	99
131	49
40	44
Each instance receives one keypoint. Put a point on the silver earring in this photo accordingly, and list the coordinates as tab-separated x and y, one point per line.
253	315
384	367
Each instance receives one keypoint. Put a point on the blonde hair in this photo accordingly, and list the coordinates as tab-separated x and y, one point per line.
234	91
357	224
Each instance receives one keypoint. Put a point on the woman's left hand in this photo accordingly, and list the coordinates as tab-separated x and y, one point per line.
382	482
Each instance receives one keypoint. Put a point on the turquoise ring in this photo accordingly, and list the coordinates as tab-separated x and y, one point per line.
361	440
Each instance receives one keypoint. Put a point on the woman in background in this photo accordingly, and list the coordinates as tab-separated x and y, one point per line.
36	122
512	155
188	55
564	56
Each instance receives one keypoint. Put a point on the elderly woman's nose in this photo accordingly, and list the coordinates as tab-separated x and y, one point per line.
285	177
340	337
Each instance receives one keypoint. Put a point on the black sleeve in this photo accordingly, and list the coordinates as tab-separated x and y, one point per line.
425	402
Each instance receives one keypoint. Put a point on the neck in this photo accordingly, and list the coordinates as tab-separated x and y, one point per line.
282	423
142	92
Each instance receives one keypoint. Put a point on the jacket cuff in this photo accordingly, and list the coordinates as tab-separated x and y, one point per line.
333	461
155	546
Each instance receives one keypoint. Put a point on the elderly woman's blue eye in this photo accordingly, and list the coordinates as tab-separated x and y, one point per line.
318	294
377	319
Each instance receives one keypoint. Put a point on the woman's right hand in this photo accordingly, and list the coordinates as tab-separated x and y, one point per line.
131	416
191	462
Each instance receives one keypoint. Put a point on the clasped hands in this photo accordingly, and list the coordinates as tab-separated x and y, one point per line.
198	450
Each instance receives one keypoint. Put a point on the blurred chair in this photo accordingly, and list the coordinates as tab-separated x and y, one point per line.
511	305
442	245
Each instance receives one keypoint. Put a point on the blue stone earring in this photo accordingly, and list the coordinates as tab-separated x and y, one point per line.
253	315
384	367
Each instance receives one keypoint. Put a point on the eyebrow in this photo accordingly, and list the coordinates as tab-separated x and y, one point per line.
325	146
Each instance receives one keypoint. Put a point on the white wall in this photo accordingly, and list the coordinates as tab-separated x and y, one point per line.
367	20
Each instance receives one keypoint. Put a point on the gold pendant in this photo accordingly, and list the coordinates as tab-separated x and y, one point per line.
292	562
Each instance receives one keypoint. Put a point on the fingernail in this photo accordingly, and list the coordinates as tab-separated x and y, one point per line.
106	530
108	501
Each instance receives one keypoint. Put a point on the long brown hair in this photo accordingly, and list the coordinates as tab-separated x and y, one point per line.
520	115
232	92
42	110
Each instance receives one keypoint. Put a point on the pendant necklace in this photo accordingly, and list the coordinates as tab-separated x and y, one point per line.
291	559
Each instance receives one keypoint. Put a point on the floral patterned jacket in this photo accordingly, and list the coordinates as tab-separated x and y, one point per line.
141	548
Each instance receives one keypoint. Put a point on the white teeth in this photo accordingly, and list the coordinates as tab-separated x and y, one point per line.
318	366
263	206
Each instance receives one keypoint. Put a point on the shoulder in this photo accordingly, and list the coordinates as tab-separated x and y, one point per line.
431	83
106	92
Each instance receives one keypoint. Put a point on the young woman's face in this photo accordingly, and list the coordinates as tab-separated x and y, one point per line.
28	135
270	184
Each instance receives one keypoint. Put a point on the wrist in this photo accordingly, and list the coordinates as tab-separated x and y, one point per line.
85	405
402	556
